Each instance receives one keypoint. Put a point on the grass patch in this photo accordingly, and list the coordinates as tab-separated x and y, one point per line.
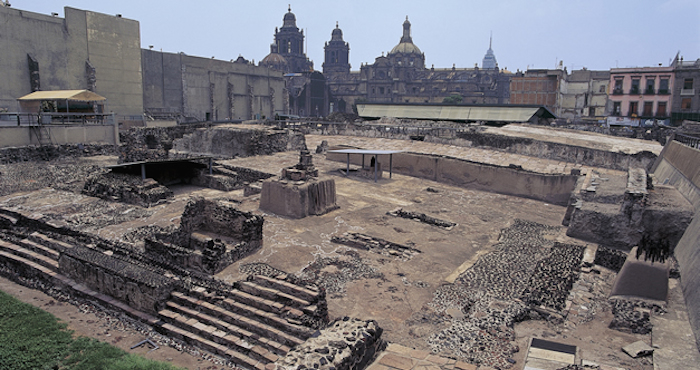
31	339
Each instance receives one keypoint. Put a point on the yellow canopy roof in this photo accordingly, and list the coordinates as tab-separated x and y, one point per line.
74	95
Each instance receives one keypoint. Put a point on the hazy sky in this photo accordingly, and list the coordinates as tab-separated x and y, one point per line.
596	34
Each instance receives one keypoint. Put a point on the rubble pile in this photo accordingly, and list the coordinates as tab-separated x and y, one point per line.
346	344
496	292
377	245
633	316
124	188
422	217
612	259
61	175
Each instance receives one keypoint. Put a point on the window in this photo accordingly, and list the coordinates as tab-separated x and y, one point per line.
685	103
635	86
618	86
381	91
602	88
616	108
663	86
650	86
688	84
648	109
634	106
661	109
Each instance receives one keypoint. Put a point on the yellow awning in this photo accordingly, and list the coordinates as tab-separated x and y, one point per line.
72	95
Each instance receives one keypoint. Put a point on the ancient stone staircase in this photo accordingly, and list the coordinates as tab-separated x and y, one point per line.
251	325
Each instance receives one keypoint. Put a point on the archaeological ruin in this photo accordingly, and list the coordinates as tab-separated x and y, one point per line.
486	248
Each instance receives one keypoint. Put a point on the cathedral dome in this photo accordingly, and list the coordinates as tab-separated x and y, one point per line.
337	34
406	45
289	20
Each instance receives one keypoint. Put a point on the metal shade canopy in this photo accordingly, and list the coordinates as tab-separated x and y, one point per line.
70	95
363	152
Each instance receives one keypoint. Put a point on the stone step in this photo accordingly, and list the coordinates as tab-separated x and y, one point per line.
7	219
29	255
229	307
196	323
287	287
35	268
273	294
211	346
49	242
36	247
244	322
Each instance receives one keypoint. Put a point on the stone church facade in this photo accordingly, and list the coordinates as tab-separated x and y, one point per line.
402	77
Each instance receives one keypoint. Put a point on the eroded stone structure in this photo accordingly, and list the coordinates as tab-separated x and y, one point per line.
298	192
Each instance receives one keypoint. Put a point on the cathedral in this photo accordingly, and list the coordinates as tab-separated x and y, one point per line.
398	77
402	77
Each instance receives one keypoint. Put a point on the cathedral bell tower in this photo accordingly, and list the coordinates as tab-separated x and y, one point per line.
337	53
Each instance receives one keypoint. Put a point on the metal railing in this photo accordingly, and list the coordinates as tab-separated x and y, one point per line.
53	118
690	141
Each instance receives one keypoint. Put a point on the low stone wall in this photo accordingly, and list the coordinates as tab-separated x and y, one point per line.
51	152
347	344
555	189
140	288
151	143
202	215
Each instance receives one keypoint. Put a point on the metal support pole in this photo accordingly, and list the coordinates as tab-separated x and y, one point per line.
210	169
347	169
391	156
363	161
143	171
376	164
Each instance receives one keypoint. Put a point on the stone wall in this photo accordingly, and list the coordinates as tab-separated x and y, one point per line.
151	143
140	288
52	152
234	141
202	215
555	189
346	344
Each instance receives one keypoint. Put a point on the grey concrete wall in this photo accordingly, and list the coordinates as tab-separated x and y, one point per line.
195	86
555	189
62	46
679	164
23	136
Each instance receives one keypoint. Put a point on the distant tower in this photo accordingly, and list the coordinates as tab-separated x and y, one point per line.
337	58
289	43
489	61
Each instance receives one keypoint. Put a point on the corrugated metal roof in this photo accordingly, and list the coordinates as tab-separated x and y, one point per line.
453	112
73	95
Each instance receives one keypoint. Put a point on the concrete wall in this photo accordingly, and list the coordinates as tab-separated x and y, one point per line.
179	84
679	164
62	47
555	189
23	135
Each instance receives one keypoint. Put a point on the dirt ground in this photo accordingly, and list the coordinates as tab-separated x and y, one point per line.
396	292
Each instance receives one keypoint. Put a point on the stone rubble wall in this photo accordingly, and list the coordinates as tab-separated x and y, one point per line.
347	344
52	152
139	287
231	141
151	143
216	217
126	189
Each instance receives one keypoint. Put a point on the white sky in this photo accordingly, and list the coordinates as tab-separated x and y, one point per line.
597	34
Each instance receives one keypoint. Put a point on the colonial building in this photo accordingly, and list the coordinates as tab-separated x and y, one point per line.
585	94
641	92
686	91
402	77
539	87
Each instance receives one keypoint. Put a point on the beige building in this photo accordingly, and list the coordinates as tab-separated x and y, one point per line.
585	94
45	52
